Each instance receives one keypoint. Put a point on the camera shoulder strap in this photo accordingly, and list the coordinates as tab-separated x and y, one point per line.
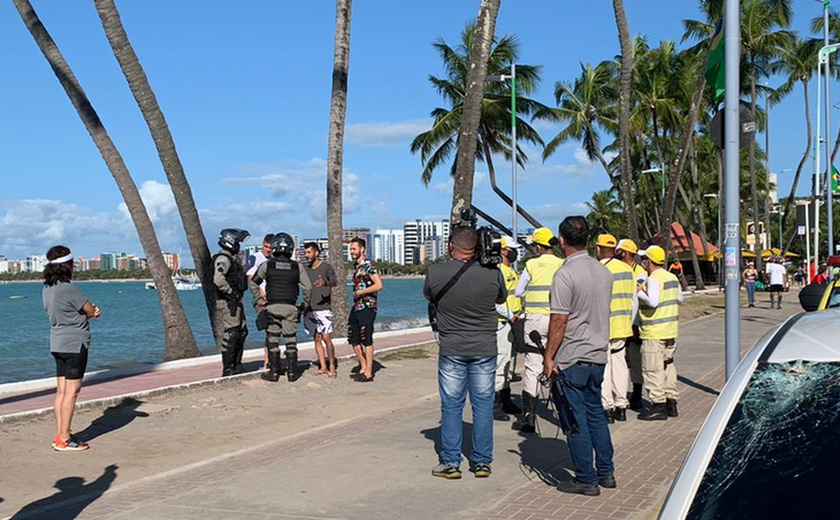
452	281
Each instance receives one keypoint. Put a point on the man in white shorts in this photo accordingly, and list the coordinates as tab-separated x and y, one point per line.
318	317
254	262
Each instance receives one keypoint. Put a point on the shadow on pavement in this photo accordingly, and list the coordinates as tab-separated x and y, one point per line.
545	453
72	498
698	386
433	434
112	419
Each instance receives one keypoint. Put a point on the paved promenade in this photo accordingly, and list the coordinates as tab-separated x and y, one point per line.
335	449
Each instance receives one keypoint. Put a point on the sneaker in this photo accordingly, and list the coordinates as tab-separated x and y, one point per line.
446	471
71	444
482	470
577	487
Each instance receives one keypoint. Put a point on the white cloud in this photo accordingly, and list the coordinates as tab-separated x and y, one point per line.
386	132
580	169
552	214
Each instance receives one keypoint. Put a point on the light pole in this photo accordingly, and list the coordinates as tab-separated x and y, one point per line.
515	205
823	60
732	151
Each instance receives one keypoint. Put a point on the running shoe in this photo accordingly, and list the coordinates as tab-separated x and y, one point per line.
446	471
71	444
482	470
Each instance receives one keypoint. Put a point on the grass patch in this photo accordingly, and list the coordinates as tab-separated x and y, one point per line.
408	353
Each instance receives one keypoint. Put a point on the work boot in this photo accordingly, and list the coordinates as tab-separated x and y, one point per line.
527	421
507	404
273	372
608	415
671	408
292	361
636	397
498	411
238	367
620	414
657	412
228	362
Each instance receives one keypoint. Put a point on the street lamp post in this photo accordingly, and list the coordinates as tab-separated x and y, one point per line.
822	59
514	205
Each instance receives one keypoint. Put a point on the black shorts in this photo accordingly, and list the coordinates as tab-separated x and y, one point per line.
777	288
360	327
71	365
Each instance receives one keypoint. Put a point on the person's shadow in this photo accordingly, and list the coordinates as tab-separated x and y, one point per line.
113	418
433	434
72	498
545	453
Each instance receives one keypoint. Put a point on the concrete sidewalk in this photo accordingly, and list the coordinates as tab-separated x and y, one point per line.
372	458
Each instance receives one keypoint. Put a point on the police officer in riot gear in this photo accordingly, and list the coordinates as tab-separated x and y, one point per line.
231	283
283	280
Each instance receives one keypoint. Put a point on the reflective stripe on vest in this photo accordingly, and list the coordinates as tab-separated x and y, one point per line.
663	321
621	303
514	303
537	294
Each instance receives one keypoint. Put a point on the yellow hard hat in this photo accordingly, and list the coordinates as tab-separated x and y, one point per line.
656	255
542	236
606	240
506	242
625	244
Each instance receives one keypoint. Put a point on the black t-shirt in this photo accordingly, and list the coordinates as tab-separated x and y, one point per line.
466	318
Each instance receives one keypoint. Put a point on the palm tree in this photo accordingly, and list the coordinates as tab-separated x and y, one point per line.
180	342
152	113
624	115
585	105
437	144
606	214
798	62
467	143
335	158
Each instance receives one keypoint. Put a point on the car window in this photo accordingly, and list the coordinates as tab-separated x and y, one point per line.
834	297
779	454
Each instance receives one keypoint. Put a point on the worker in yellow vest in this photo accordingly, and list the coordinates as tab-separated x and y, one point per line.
534	287
659	317
627	251
616	374
509	314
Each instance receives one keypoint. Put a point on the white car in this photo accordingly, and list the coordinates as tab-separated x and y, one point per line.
770	447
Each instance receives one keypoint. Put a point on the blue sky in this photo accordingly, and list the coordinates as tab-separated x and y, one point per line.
245	89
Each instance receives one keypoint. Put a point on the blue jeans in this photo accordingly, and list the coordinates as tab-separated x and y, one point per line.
583	389
457	375
751	292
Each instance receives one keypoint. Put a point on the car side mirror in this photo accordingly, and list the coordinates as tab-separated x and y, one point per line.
811	296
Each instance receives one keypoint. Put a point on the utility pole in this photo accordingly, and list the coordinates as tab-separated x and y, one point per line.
732	208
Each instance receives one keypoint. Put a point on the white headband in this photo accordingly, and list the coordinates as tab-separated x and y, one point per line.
61	260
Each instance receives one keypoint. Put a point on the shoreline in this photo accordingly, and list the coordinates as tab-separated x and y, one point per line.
97	280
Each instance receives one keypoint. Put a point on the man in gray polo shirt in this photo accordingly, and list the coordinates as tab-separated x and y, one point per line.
578	338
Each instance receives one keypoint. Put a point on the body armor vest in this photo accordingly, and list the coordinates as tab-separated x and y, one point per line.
282	279
235	277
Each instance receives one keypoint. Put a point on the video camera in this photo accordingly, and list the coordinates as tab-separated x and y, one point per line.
488	251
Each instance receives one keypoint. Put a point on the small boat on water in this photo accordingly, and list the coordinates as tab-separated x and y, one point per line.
17	297
183	282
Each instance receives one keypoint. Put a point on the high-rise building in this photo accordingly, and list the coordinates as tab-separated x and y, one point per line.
433	248
94	264
17	266
389	246
4	264
172	261
35	263
417	232
107	261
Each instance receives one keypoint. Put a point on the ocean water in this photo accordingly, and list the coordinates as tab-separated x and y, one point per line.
130	330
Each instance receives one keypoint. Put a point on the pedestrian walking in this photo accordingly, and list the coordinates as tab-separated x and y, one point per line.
464	294
748	278
254	262
69	313
366	286
616	373
576	354
659	314
533	288
318	317
776	279
509	315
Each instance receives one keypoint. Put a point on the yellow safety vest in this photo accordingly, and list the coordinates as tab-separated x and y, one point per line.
621	304
514	303
541	270
663	321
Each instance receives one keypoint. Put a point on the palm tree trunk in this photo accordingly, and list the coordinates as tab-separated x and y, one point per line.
335	159
800	166
625	79
485	29
690	206
153	115
753	179
699	212
180	342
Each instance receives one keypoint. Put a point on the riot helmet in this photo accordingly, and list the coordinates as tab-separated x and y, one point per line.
230	238
283	245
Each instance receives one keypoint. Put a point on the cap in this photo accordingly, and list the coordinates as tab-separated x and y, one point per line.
625	244
606	240
542	236
655	254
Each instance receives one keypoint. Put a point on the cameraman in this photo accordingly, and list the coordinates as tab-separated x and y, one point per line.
466	318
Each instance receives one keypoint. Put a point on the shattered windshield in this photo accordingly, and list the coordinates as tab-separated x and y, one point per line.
779	455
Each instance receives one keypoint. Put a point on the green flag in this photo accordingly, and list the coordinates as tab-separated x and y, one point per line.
716	69
835	181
